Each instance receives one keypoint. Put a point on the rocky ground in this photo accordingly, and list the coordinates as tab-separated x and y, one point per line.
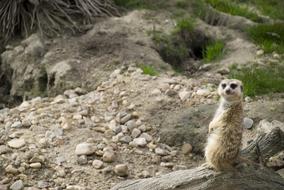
126	124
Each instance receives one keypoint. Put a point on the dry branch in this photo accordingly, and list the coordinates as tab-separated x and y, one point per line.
246	176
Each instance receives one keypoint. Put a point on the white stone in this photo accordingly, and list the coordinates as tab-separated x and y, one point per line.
259	52
85	149
36	165
184	95
121	170
98	164
16	124
18	185
140	142
248	123
135	133
16	143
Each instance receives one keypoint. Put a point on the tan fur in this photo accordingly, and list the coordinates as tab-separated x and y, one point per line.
225	130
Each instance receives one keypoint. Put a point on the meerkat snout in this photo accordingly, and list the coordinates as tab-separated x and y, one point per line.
231	89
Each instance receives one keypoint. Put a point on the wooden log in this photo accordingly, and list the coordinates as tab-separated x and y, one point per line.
245	177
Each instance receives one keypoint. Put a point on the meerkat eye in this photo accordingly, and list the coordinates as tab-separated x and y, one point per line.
233	86
223	85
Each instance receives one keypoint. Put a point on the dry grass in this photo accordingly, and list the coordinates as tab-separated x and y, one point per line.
48	16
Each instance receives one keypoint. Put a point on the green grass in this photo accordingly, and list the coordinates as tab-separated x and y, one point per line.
170	47
141	4
182	4
213	51
271	8
227	6
148	70
186	24
270	37
260	80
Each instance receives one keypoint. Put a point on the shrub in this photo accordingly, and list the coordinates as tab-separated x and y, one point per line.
260	80
148	70
213	51
227	6
48	16
268	36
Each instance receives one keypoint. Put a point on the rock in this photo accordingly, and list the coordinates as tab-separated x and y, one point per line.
75	187
36	165
202	92
281	172
18	185
276	161
135	133
42	184
125	119
16	124
10	169
146	136
248	123
223	71
276	56
98	164
4	149
161	152
16	143
80	91
131	124
156	92
167	164
265	126
3	187
114	127
121	170
108	156
186	148
85	149
141	142
171	92
82	160
125	139
184	95
259	52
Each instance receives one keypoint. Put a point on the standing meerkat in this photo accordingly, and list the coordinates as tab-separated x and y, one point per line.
225	130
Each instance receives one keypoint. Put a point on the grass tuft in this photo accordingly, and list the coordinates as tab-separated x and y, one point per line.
182	4
230	7
270	37
49	17
213	51
141	4
148	70
260	80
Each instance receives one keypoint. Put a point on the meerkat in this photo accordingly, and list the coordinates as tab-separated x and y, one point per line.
225	130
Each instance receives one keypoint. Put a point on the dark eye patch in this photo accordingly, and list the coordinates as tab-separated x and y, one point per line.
233	86
223	85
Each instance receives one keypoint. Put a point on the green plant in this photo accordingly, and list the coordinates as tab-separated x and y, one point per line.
230	7
170	47
213	51
270	8
185	25
48	16
148	70
260	80
182	4
268	36
141	4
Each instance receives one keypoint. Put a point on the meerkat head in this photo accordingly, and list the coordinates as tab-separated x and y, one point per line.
231	90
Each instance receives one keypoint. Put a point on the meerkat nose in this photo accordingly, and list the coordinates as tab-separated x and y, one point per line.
228	91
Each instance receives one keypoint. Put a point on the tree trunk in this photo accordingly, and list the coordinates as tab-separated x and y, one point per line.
245	177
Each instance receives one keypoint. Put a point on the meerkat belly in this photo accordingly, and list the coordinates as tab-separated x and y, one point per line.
223	144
